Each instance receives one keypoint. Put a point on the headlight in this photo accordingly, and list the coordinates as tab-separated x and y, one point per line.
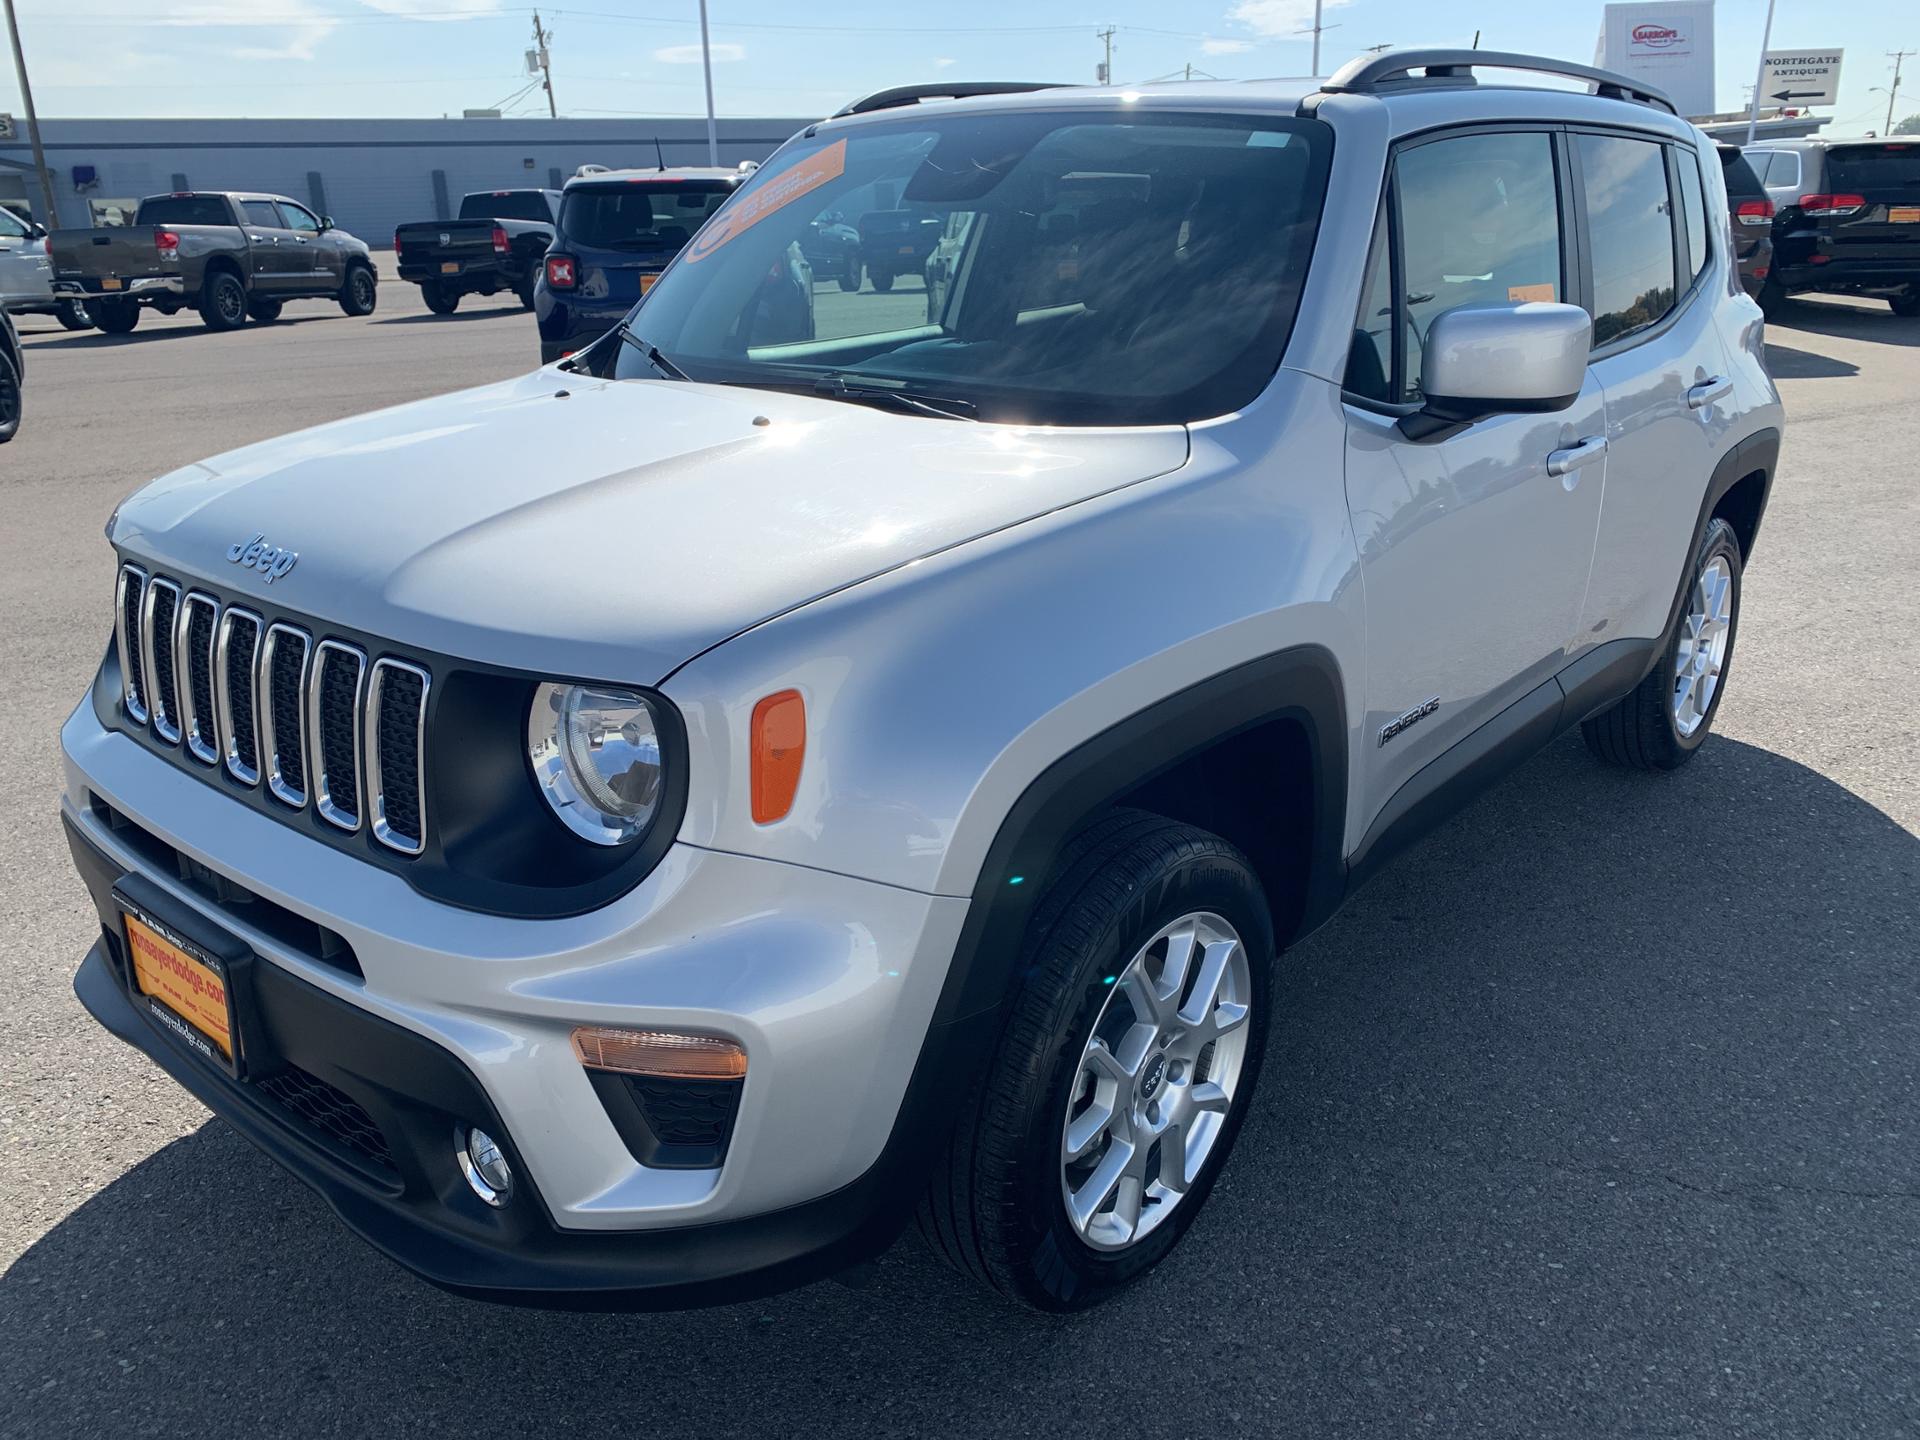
596	753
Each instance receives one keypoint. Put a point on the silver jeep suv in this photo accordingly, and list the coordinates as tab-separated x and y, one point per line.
637	833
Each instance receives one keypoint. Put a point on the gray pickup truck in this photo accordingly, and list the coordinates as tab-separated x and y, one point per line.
231	255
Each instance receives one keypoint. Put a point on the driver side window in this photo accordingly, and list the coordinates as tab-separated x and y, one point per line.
1479	224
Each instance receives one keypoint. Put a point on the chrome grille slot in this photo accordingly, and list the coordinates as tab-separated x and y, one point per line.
128	594
193	635
396	754
282	690
158	610
236	663
334	691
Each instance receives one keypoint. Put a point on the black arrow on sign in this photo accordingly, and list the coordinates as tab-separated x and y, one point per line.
1785	95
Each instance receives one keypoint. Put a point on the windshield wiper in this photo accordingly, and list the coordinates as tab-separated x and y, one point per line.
651	353
871	392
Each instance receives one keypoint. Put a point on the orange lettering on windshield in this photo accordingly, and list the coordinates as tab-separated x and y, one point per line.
782	190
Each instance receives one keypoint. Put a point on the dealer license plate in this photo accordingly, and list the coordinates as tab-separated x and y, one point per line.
1904	214
186	991
111	282
449	267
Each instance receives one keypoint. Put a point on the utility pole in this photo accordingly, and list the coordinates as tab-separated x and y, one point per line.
1892	95
540	39
706	63
33	121
1106	68
1760	74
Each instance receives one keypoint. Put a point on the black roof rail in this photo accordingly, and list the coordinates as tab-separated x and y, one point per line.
1370	74
953	90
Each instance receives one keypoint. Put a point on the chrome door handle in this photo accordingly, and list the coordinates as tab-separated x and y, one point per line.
1708	391
1565	462
263	239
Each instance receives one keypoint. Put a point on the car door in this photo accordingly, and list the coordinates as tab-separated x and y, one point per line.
21	264
320	248
279	266
1654	271
1473	557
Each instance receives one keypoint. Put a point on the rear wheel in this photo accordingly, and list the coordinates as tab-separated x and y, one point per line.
440	301
223	301
73	315
1667	716
1773	298
116	317
525	291
1125	1066
882	279
263	309
850	278
359	295
12	399
1906	303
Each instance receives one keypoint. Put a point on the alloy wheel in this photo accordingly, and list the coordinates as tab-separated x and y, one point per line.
1156	1080
1701	655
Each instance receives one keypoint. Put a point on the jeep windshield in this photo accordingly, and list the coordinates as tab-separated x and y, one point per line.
1068	267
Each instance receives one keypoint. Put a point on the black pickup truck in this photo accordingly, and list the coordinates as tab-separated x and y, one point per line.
231	255
495	245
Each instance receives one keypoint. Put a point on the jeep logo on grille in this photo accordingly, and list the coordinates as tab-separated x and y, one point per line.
256	554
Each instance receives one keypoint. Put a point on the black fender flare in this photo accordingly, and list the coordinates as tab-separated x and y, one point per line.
1758	453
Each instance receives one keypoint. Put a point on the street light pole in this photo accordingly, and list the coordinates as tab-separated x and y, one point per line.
33	121
1316	37
1759	74
706	62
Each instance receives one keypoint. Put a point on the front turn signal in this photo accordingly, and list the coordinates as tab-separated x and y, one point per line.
669	1053
778	743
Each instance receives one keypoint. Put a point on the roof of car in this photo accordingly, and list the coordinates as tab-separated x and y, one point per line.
677	172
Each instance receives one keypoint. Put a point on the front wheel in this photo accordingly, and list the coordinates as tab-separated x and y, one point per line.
1906	303
223	301
1126	1064
439	300
1667	716
12	398
359	295
73	315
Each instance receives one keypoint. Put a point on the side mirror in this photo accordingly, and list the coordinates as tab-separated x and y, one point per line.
326	222
36	229
1482	360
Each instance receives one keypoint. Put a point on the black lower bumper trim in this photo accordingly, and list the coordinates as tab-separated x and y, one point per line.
416	1092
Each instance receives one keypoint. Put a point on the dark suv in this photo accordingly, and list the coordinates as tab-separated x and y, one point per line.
1750	210
1847	218
618	230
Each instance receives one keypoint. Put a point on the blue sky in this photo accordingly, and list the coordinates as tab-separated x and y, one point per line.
431	57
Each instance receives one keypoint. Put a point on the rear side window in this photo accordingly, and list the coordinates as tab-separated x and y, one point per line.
1693	201
1878	172
1781	167
187	210
640	216
1479	223
1630	233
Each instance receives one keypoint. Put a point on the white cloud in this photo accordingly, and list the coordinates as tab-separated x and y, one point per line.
1211	46
1276	18
944	61
690	54
436	9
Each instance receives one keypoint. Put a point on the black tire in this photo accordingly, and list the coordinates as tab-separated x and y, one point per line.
360	293
525	291
439	301
1908	303
1773	298
73	315
1639	732
994	1207
223	301
882	279
115	317
12	398
850	279
263	309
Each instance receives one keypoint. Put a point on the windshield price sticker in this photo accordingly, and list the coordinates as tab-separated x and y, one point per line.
775	194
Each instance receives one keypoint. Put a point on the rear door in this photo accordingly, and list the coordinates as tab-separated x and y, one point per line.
280	267
1653	267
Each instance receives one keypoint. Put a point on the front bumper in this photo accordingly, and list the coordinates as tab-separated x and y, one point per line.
829	983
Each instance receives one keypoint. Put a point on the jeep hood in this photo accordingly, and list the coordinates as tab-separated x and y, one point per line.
607	529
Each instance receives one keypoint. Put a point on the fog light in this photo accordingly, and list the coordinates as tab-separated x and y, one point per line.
481	1161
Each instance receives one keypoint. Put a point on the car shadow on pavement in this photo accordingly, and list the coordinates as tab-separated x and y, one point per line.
1595	1113
1870	321
1786	363
427	317
100	340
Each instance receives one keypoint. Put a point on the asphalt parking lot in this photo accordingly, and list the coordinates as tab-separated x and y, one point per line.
1599	1114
